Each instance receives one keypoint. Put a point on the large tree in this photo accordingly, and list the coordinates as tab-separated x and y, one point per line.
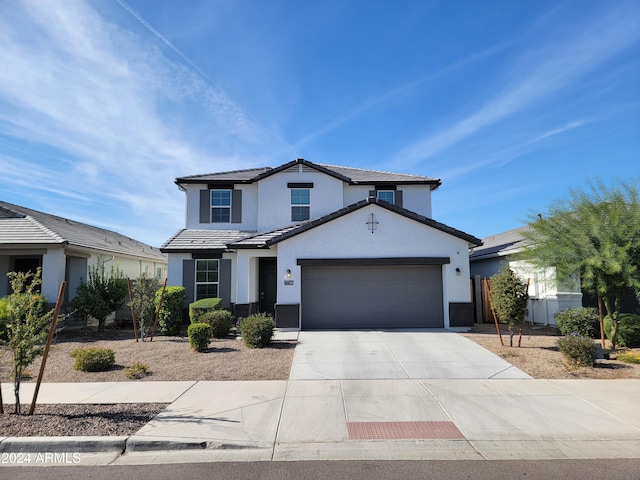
594	235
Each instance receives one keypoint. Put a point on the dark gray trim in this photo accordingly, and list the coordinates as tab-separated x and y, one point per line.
287	315
358	262
299	185
220	186
224	282
398	198
205	206
243	310
236	206
373	194
189	280
205	255
385	187
461	314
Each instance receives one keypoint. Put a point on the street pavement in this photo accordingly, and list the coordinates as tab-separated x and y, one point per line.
361	396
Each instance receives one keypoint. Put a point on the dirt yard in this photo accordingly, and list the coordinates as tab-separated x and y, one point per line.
539	356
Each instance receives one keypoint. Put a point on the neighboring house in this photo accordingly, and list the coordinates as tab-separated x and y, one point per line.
65	249
546	296
322	246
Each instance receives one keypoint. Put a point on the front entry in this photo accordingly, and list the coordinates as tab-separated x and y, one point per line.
267	285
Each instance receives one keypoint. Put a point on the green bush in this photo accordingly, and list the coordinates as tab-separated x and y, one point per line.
199	336
578	350
199	307
136	370
221	322
257	330
93	359
584	321
170	317
628	329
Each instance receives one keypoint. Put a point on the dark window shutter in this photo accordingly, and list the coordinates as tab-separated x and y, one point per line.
189	279
205	206
398	198
236	206
372	193
224	282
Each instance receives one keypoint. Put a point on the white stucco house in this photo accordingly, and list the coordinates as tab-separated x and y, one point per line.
65	249
322	246
546	295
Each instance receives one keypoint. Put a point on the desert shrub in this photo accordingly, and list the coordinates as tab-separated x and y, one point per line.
199	336
578	349
584	321
93	359
143	292
628	329
221	322
629	357
136	370
199	307
257	330
170	317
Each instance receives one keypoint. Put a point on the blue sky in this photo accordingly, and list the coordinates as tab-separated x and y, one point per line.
510	103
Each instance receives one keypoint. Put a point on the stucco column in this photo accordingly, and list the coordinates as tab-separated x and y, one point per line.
53	272
242	278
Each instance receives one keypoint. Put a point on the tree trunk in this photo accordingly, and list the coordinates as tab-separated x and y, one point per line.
101	323
16	388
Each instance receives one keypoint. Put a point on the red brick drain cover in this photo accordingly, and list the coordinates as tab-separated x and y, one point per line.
403	430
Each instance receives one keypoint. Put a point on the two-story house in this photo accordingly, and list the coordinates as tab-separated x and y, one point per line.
322	246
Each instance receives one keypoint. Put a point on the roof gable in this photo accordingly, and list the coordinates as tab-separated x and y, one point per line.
265	240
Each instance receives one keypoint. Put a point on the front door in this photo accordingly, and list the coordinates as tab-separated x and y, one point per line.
267	285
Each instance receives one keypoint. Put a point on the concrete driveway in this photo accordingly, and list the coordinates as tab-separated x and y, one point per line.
394	354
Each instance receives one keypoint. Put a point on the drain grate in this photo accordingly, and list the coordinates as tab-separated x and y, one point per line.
403	430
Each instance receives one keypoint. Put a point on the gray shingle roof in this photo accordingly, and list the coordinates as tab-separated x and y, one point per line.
23	226
187	240
500	244
350	175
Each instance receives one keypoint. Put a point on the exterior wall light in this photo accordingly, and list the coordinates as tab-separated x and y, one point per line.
458	271
288	277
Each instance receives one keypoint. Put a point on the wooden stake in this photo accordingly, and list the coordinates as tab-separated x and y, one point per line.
52	330
133	315
153	330
522	321
493	312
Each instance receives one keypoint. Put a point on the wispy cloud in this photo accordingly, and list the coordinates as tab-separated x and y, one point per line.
536	76
97	96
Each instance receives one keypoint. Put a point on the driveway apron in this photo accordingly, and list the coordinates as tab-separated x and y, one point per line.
395	354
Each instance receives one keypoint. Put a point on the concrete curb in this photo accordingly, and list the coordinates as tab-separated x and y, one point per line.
64	444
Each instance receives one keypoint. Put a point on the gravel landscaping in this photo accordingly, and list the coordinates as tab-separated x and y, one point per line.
170	358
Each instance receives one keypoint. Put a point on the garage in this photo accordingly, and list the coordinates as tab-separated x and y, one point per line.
372	296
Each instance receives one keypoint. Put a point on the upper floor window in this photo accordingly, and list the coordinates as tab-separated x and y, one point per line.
207	278
300	204
220	206
386	195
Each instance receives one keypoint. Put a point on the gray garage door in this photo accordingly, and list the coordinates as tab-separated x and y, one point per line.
372	297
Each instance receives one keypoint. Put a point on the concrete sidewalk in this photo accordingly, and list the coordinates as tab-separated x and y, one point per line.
356	419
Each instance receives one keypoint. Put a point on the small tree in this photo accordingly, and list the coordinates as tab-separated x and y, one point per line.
27	325
102	295
509	299
143	295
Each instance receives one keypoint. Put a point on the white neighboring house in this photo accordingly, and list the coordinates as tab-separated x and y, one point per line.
546	296
322	246
65	249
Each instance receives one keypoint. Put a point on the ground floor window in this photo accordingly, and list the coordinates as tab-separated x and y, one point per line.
207	275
